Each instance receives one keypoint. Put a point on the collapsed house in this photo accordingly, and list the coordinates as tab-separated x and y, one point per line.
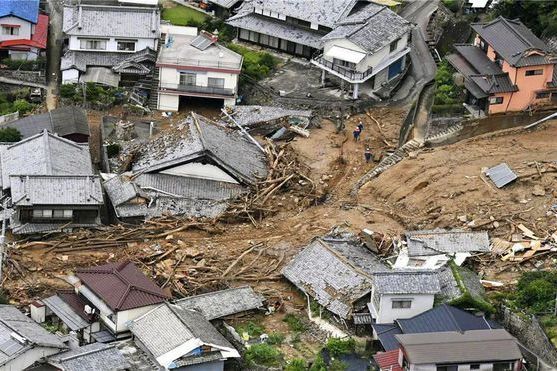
267	120
68	122
108	44
354	284
96	356
193	170
50	184
433	249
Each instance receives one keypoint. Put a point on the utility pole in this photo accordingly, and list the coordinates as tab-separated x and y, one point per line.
223	110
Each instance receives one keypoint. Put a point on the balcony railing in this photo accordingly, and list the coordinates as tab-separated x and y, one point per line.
347	72
193	62
198	89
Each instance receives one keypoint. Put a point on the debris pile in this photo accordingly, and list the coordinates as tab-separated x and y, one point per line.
523	245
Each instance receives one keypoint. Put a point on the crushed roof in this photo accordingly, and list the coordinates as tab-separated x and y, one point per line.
371	27
168	327
459	347
63	305
247	116
324	271
121	286
513	41
441	241
25	9
12	320
115	21
96	356
411	282
62	121
223	303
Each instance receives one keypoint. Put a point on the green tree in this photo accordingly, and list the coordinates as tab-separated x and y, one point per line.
539	16
22	106
9	135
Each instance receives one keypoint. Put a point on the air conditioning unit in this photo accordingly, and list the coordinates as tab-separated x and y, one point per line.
88	309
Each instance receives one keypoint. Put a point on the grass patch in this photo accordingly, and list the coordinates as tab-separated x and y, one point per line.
184	16
294	323
263	355
275	338
337	347
257	64
251	328
296	364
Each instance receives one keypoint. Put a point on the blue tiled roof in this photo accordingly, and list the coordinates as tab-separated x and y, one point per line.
24	9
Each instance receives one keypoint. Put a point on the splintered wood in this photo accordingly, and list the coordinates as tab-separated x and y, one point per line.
286	175
524	246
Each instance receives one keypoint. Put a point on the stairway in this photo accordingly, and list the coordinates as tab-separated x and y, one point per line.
154	87
387	162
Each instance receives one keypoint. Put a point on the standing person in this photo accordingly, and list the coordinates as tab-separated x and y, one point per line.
357	133
361	126
367	155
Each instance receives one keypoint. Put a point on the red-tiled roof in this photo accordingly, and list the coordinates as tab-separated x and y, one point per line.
388	360
38	40
121	286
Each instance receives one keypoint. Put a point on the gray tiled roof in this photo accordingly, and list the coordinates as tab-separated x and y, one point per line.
172	206
65	312
114	21
45	154
276	28
371	28
332	279
32	190
223	303
494	83
81	59
512	40
411	282
62	121
472	346
96	356
451	289
167	327
441	241
478	60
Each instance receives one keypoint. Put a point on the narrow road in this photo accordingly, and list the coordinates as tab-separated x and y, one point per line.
54	53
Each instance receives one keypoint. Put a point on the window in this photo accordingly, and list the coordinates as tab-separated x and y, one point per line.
188	78
503	366
62	214
214	82
447	368
495	100
244	34
91	44
542	95
342	63
534	72
10	30
394	45
126	45
401	304
475	367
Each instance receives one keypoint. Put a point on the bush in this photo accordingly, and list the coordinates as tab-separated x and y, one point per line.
337	347
275	338
455	108
14	64
257	65
294	323
319	364
10	135
338	365
22	106
296	364
68	90
252	329
452	5
113	150
264	355
537	291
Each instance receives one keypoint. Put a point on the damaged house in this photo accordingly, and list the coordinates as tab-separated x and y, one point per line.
433	249
109	44
51	184
352	282
193	169
355	41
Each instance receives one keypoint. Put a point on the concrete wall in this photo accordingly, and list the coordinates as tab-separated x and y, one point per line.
387	314
172	76
25	29
168	102
112	44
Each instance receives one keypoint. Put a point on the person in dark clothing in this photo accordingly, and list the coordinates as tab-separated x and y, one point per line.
357	133
367	154
361	127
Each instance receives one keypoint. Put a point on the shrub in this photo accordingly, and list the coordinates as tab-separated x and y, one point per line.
10	135
452	5
3	298
264	355
338	365
22	106
319	364
275	338
113	150
538	295
257	65
294	323
296	364
337	347
252	328
68	90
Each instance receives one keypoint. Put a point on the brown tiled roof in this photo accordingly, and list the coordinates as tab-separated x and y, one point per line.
121	286
76	302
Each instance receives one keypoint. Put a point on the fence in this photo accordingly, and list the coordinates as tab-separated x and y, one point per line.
539	350
9	118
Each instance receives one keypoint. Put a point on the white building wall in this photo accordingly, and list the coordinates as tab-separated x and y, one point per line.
112	44
29	358
430	367
129	315
70	76
168	102
172	76
420	303
25	28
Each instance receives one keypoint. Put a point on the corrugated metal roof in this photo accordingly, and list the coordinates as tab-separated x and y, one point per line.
501	175
223	303
65	312
457	347
386	335
441	241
